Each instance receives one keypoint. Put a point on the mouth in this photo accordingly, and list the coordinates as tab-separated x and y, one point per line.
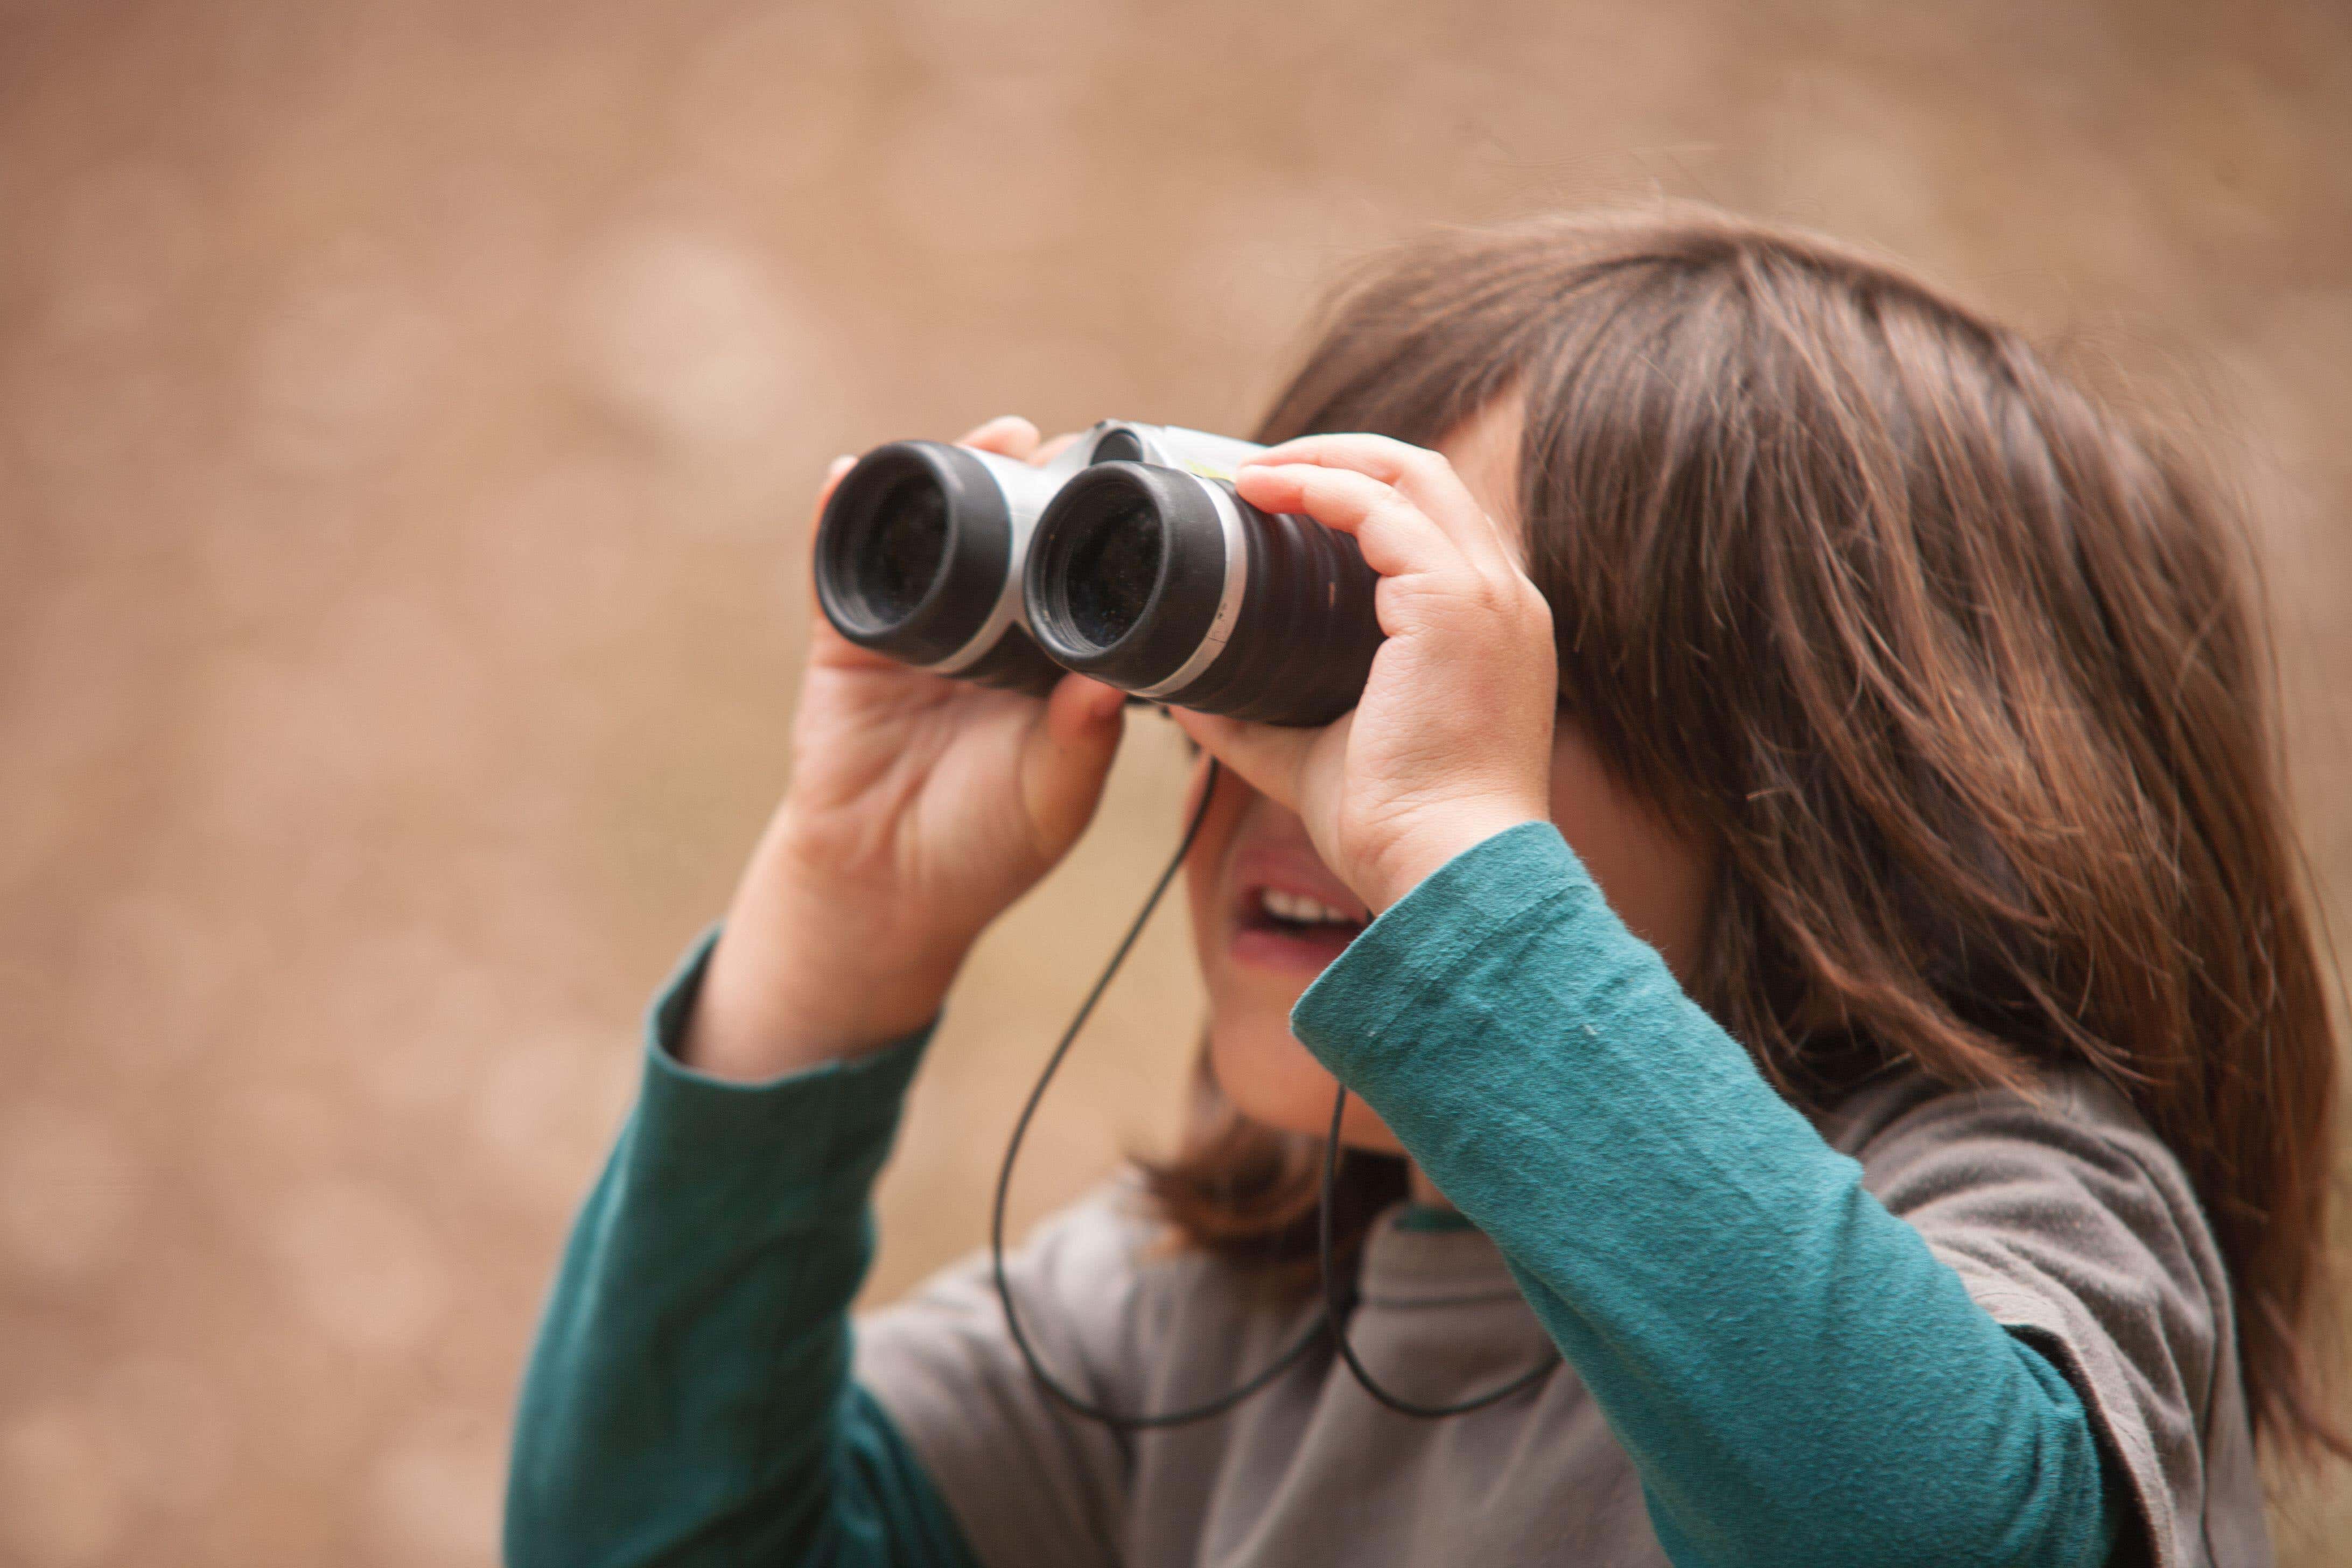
1286	929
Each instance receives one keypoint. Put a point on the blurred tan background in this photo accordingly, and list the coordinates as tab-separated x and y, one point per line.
408	417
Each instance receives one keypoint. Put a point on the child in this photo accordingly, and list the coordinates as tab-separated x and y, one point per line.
1803	906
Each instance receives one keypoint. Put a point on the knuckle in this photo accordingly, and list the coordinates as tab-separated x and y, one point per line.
1417	462
1392	508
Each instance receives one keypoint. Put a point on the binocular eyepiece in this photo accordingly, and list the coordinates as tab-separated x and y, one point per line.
1129	558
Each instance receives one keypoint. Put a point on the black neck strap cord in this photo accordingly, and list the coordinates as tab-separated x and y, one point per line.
1337	1296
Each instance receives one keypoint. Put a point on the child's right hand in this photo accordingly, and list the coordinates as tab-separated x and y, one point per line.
918	809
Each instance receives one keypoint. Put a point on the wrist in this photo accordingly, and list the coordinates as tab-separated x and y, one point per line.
765	1012
1412	857
803	975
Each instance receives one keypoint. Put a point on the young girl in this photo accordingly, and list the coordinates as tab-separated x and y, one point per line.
1802	906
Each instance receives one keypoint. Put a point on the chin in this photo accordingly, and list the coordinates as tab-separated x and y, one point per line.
1272	1079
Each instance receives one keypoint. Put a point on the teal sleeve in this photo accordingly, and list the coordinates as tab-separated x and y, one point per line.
689	1399
1796	1376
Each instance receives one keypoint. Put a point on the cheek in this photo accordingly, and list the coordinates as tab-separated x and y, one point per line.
1265	1072
1653	878
1262	1068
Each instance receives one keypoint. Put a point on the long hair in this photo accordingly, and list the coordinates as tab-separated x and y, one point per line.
1956	670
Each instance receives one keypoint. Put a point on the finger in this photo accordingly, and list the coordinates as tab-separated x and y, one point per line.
833	472
1397	537
1270	758
1424	478
1007	435
1079	705
1069	756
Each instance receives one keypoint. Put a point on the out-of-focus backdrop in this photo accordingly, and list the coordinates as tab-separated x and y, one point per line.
408	414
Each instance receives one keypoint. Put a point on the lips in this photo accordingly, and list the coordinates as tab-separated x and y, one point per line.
1294	921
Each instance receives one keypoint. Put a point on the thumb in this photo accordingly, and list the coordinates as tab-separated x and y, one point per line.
1068	756
1270	758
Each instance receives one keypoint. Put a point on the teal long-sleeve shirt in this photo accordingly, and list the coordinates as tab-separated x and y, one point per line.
1838	1397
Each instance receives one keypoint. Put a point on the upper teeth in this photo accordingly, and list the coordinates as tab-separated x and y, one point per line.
1303	909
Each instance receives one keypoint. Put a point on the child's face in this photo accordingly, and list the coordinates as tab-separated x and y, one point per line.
1267	915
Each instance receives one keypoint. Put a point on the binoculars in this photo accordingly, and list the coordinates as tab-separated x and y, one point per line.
1129	558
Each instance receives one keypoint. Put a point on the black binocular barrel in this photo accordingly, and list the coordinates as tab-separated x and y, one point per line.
918	558
1170	585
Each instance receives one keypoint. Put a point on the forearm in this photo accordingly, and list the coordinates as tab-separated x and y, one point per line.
1795	1374
688	1399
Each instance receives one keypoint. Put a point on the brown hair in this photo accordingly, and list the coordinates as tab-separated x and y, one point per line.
1954	667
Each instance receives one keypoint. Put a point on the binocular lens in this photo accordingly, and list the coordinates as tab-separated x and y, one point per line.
1113	565
909	529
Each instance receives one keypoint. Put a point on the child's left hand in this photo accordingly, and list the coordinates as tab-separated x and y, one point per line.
1452	739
